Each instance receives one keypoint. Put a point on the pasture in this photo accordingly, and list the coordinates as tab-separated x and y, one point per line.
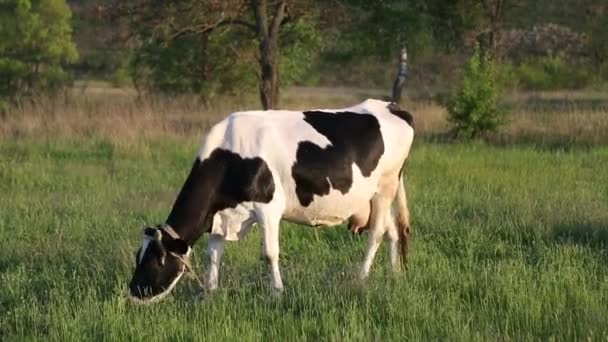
510	241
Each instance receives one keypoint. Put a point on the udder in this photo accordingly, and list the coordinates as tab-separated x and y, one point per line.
359	222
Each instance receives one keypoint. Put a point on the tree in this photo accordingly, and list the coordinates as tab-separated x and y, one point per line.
450	21
268	36
211	35
493	12
35	40
474	108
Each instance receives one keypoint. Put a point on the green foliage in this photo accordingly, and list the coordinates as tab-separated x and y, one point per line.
377	29
221	60
381	28
121	76
474	108
546	73
103	53
386	27
450	21
300	43
206	65
35	40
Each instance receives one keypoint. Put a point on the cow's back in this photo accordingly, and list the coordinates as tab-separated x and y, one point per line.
326	163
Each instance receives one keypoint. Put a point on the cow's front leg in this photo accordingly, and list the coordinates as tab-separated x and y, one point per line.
215	250
270	222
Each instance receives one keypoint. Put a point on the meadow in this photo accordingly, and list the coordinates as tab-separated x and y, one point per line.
510	237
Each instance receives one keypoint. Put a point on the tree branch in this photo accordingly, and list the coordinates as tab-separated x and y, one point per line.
278	19
244	23
116	10
199	29
202	29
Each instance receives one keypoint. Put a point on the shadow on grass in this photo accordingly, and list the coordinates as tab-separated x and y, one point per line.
9	263
593	235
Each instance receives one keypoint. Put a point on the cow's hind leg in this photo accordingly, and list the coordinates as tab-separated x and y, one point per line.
403	220
380	206
269	219
215	250
392	237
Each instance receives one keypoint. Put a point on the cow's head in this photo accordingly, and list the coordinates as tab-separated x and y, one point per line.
159	264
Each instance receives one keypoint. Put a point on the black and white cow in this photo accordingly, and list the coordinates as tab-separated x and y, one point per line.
318	167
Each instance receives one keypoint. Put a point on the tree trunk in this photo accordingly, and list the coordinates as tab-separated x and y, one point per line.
494	13
269	76
268	36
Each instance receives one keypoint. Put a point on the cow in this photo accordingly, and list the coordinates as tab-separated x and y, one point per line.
317	168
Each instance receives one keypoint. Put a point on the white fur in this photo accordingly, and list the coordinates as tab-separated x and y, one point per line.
144	247
234	223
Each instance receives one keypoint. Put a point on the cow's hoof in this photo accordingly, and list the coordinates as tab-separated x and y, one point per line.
362	276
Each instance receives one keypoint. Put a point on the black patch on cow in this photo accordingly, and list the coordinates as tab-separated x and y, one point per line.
355	138
223	180
403	114
178	246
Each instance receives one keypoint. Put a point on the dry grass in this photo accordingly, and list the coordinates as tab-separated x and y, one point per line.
564	118
118	116
124	117
569	126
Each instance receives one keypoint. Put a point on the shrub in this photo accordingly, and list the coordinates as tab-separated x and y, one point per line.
121	77
36	40
473	108
551	73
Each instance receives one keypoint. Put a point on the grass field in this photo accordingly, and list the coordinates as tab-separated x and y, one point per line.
510	238
510	243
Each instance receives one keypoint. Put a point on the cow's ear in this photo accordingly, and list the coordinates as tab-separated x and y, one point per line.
178	246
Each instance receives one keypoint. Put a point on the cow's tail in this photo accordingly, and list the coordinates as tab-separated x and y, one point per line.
403	221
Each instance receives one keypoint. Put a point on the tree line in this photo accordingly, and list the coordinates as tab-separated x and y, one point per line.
210	47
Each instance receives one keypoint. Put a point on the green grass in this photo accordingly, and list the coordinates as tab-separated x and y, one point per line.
509	243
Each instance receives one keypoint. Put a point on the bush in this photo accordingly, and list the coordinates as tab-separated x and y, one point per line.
121	77
473	108
35	41
551	73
